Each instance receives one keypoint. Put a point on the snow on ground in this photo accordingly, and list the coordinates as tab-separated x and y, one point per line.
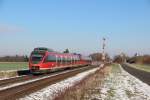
4	78
51	91
120	85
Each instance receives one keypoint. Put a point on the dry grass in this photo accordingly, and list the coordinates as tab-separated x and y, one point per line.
8	74
84	89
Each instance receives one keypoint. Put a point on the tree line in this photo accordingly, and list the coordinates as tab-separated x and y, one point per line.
98	57
145	59
142	59
15	58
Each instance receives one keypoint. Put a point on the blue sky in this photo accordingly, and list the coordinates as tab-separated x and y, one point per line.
78	25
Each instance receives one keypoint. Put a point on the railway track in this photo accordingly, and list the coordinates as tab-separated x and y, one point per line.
13	80
21	89
9	81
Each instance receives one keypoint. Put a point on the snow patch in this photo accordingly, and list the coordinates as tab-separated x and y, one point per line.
121	85
5	78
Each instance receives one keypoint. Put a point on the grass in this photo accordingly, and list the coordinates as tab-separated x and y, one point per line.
142	67
111	92
115	69
4	66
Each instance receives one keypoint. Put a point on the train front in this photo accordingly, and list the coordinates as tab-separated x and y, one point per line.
35	61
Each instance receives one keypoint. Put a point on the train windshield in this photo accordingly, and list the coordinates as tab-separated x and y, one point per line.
36	58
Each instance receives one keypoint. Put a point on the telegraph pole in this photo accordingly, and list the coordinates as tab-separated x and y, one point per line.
103	53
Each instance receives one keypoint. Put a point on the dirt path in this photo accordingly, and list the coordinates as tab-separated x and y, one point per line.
142	75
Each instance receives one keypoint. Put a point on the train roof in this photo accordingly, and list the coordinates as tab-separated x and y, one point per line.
51	51
43	49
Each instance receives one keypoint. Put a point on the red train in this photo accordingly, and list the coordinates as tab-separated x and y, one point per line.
44	59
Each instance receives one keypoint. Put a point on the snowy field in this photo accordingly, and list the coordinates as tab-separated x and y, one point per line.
120	85
50	92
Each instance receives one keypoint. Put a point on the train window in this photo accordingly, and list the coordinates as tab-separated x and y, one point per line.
61	59
69	59
58	59
78	58
36	58
64	59
51	58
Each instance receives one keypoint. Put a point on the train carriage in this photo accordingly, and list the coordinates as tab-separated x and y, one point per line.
44	59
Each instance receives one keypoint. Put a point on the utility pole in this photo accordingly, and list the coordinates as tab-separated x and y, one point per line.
103	53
